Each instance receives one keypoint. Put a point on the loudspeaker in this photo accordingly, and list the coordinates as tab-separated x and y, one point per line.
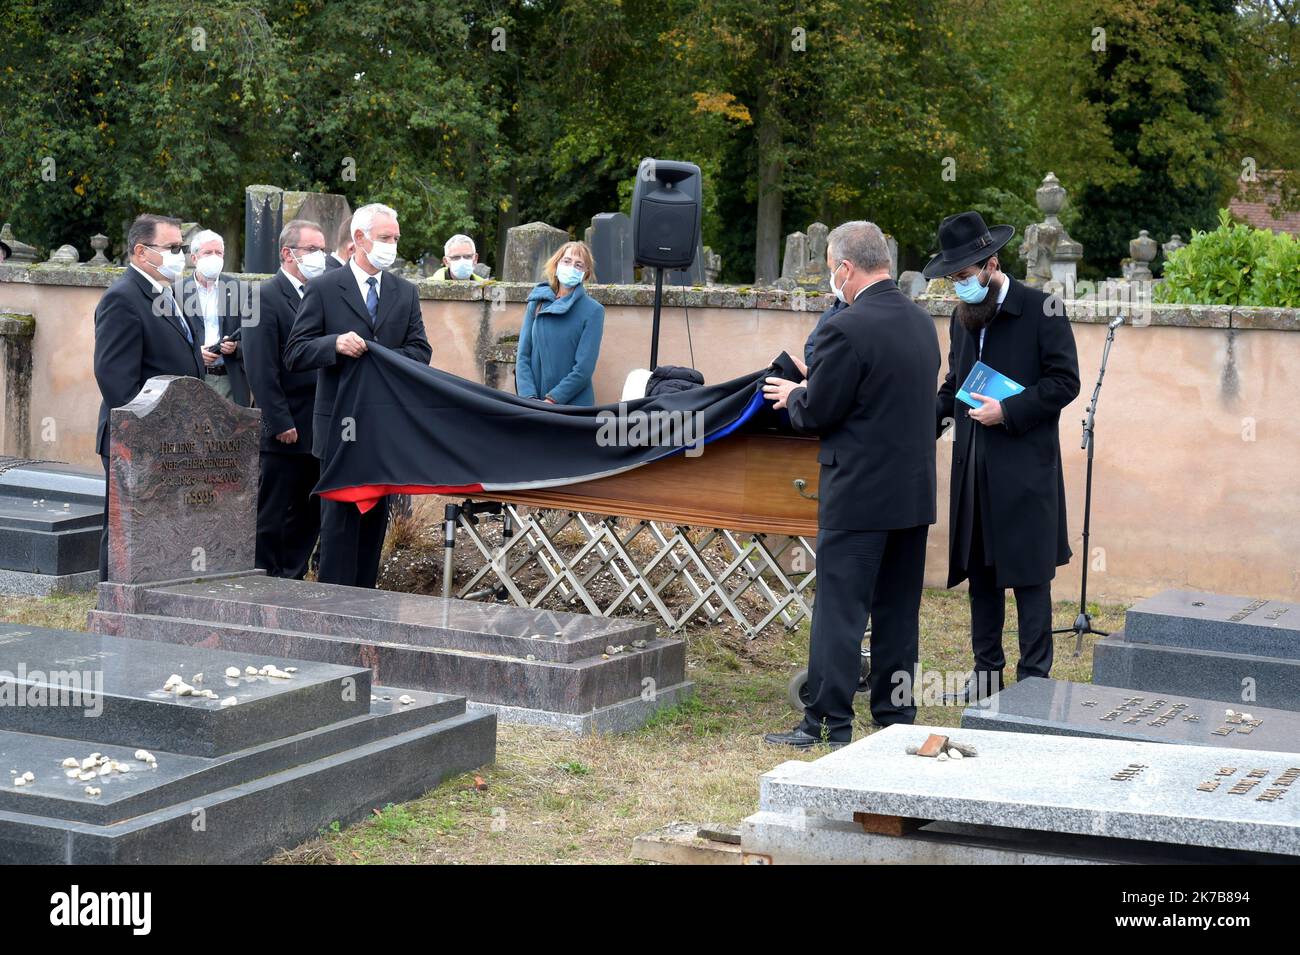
666	213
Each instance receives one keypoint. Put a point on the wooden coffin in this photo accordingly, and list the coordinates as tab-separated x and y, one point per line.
745	482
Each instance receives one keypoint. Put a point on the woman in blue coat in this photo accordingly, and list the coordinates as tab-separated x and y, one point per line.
560	340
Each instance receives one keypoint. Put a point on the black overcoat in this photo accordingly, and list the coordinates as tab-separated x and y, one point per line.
333	306
1019	476
287	398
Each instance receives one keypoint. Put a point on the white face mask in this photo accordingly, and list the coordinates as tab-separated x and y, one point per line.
462	269
382	254
839	291
210	266
312	264
172	265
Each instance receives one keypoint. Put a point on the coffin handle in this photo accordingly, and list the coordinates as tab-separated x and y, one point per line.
799	485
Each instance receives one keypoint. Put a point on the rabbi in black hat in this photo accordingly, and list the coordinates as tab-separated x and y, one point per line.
1007	526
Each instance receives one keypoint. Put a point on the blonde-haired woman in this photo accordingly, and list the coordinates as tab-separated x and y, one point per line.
560	340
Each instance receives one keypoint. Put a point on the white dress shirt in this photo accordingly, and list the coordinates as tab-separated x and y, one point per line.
1002	296
298	287
363	278
148	278
211	318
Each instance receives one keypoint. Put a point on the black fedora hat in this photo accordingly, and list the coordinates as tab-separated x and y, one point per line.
964	239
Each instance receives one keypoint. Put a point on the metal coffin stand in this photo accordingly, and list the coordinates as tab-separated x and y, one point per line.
719	523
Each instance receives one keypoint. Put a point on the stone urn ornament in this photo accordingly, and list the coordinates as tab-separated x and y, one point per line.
1142	252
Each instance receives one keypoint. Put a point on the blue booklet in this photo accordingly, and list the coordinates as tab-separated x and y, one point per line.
983	380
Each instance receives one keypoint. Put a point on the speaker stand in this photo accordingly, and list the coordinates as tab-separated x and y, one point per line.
654	332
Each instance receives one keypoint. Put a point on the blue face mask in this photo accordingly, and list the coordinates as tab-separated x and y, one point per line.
969	289
567	275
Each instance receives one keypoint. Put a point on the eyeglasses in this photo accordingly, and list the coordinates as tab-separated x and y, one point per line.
309	249
178	247
574	263
461	258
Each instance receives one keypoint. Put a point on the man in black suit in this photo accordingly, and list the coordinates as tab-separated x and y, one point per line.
342	311
288	516
141	331
1007	526
869	395
215	301
342	248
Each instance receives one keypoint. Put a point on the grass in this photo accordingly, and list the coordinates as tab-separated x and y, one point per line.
555	798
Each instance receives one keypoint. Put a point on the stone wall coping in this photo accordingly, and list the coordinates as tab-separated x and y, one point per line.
1083	311
16	324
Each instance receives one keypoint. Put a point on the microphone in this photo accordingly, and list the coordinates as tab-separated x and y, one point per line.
1119	320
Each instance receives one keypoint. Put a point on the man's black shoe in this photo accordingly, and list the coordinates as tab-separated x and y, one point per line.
799	740
976	690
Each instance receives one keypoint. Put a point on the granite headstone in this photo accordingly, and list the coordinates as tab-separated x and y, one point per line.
1154	793
99	764
1058	707
263	216
528	247
182	484
50	520
1205	621
611	245
1216	647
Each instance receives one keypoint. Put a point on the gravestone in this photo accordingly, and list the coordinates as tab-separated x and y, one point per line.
712	266
50	520
182	483
611	245
1038	705
268	208
804	262
20	252
693	274
262	222
528	247
64	255
264	762
328	210
182	518
1036	250
1206	645
795	258
542	667
912	284
1028	798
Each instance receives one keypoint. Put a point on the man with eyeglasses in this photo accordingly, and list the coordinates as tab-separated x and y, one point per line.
141	331
288	517
1007	517
459	257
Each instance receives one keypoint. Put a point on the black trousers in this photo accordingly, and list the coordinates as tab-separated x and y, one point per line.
103	537
863	575
288	516
988	604
351	542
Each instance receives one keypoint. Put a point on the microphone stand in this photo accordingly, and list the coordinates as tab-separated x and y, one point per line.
1083	622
